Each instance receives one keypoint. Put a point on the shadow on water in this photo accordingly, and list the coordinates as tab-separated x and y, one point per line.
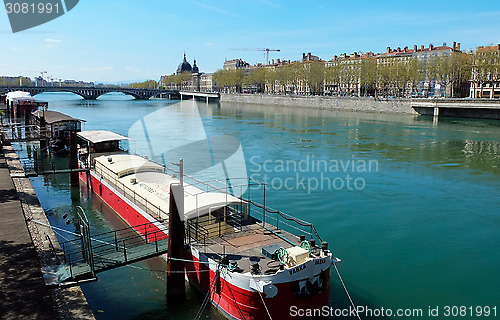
341	305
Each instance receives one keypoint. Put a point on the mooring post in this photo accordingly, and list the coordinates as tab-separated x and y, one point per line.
73	159
176	289
436	116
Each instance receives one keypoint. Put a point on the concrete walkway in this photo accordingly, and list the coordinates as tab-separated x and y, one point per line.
23	294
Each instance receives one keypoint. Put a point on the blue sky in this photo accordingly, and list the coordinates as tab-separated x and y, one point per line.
117	40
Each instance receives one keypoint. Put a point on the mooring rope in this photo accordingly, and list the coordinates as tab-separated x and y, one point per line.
260	295
347	292
60	235
207	296
50	226
165	271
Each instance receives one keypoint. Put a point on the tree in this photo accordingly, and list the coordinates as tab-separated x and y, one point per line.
148	84
486	66
314	76
368	74
256	77
415	74
229	79
332	77
271	78
184	79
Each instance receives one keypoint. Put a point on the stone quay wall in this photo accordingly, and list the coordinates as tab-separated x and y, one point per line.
353	104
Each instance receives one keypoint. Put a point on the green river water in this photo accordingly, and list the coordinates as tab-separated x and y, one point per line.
411	207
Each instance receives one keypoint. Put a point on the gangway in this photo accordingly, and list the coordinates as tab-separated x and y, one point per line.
40	167
88	254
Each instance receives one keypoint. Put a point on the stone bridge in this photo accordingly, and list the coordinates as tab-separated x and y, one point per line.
92	93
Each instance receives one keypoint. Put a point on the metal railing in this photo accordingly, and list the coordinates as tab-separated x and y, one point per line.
25	132
142	202
114	248
46	166
282	221
260	212
214	224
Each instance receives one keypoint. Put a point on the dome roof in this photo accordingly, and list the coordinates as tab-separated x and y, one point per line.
195	67
184	66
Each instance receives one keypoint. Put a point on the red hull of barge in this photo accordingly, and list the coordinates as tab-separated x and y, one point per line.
233	301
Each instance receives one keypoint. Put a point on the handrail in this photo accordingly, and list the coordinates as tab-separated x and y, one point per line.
105	245
210	184
300	222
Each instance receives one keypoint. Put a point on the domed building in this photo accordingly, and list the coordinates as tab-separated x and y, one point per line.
195	67
185	66
198	81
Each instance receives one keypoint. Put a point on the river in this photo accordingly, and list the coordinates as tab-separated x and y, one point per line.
410	206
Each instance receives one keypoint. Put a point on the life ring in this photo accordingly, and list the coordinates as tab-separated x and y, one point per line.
282	255
306	245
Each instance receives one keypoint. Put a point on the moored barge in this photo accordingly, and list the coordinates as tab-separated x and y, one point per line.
251	261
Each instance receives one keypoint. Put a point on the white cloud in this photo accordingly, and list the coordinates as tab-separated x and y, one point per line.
50	40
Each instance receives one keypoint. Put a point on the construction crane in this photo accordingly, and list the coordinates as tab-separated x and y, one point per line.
258	49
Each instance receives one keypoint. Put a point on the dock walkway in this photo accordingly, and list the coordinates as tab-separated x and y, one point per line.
23	294
24	250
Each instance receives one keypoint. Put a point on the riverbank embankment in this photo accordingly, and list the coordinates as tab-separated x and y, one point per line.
353	104
27	246
460	108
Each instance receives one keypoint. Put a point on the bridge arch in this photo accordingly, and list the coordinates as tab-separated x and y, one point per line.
91	93
129	93
37	92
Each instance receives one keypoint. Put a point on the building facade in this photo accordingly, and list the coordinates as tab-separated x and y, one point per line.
188	77
485	82
401	72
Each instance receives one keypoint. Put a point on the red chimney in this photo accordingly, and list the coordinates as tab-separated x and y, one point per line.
279	61
458	46
422	48
454	45
431	46
444	44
